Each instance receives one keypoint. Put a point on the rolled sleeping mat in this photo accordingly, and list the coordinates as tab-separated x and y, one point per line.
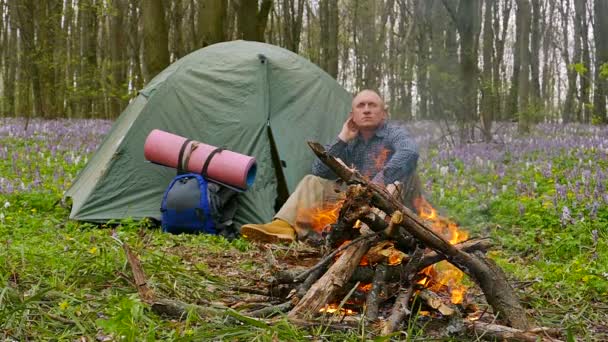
218	165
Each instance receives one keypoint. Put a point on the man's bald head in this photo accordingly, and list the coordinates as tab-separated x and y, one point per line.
368	111
368	93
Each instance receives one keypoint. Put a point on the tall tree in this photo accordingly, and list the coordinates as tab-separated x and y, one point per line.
156	37
569	104
535	40
487	83
501	17
468	22
523	82
9	56
117	55
29	73
87	82
548	80
293	11
423	23
252	19
211	18
328	11
600	28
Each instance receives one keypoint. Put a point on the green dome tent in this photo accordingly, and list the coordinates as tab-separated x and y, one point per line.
252	98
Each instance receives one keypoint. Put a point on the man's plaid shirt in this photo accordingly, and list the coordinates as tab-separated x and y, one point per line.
390	155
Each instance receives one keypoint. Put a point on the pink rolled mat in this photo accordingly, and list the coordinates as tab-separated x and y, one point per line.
231	168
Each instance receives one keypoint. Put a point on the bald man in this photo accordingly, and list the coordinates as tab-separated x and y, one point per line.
377	148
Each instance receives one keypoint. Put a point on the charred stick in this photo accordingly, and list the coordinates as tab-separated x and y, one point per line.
328	258
342	229
468	246
373	297
271	310
400	309
251	291
310	280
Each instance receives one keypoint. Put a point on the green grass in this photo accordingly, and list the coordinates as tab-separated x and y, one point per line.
63	280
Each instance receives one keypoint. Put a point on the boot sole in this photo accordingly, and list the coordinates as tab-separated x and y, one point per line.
258	235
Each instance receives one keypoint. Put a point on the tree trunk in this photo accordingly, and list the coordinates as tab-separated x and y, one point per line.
568	110
512	105
211	17
523	85
156	47
251	21
293	11
29	74
600	33
498	66
548	67
487	89
535	103
117	53
468	22
137	79
87	80
329	36
421	13
10	65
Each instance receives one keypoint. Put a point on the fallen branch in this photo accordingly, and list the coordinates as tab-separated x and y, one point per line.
492	331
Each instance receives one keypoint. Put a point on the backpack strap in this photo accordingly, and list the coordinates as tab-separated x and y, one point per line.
180	163
208	161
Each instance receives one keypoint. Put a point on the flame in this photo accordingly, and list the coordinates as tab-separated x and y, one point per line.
364	261
333	308
364	287
395	259
319	218
381	158
443	274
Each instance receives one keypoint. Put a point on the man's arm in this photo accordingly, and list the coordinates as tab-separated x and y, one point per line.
403	162
337	149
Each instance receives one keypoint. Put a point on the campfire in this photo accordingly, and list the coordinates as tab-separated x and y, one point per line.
384	262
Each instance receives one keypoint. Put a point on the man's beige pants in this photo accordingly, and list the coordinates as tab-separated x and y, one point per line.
315	192
311	192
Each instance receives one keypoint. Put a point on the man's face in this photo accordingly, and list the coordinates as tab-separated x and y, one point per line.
368	110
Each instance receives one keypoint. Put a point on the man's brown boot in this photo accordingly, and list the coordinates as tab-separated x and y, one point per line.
276	231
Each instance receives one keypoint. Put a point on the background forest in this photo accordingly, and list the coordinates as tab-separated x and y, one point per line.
470	61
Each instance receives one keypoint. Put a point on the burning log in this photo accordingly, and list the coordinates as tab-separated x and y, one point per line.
365	274
431	299
498	292
332	281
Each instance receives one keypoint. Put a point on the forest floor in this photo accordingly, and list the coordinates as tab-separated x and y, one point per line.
542	198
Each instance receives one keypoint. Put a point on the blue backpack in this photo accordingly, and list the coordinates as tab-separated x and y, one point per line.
191	204
185	206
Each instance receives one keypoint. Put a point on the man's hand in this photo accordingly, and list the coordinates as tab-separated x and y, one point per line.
349	130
